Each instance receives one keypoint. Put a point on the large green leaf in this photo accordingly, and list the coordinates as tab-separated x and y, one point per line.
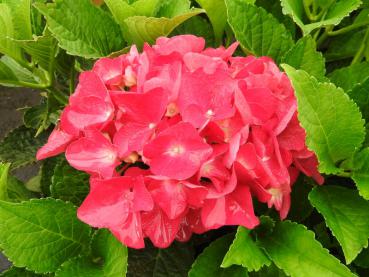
245	252
12	74
294	249
81	28
105	247
208	263
21	17
11	189
333	16
258	32
360	95
303	55
69	184
142	29
215	9
361	173
350	76
333	123
41	234
346	214
20	146
175	260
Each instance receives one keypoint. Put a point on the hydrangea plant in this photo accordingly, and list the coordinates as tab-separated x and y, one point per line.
187	138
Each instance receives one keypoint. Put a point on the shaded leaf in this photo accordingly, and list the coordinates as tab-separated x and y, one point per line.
208	263
350	76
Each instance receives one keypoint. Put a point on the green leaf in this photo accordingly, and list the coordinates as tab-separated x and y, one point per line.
270	271
7	46
361	174
12	74
146	29
333	123
361	97
105	247
258	32
21	17
172	8
294	249
121	10
41	234
350	76
20	146
245	252
303	55
215	10
69	184
146	7
362	259
208	263
346	214
81	28
333	16
42	50
175	260
300	206
11	189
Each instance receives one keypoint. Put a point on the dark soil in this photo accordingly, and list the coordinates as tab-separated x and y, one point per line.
12	99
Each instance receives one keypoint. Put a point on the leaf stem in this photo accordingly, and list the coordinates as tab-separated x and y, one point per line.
360	53
344	174
347	29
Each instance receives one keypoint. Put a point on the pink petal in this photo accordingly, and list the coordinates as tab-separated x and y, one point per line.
56	144
93	153
159	228
179	44
130	233
108	202
177	152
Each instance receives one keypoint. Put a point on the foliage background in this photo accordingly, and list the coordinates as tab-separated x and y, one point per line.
323	45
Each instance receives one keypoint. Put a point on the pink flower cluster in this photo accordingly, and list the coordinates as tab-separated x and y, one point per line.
178	139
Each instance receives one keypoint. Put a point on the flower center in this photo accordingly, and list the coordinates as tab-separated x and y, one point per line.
176	150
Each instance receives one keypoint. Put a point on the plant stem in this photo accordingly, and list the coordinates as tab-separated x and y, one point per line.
360	53
344	174
324	36
347	29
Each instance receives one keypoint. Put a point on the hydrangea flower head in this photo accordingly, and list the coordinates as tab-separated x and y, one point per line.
180	139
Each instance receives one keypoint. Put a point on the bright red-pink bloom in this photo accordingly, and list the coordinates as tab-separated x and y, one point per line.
180	139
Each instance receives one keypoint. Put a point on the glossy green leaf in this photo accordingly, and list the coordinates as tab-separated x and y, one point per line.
258	32
333	123
333	16
81	28
208	263
245	252
345	213
69	184
303	55
175	260
294	249
20	146
105	247
41	234
215	10
7	46
146	29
